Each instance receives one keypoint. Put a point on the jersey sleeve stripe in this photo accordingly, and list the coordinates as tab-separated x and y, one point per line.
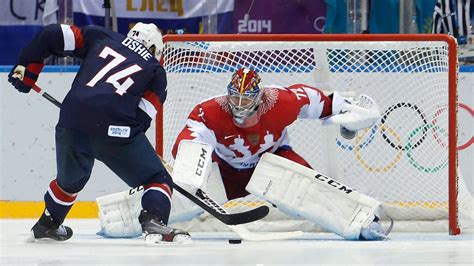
72	37
79	40
147	107
68	37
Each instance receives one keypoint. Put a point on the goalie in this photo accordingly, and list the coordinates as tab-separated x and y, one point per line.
240	127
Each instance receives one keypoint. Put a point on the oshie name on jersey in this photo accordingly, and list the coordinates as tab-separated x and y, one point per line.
137	48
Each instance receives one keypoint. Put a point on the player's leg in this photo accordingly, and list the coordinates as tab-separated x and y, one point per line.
234	180
74	165
135	162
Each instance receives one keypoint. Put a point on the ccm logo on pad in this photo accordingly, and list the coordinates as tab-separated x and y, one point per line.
201	161
333	183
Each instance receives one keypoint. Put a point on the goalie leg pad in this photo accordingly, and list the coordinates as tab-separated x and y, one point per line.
184	210
118	213
303	192
193	163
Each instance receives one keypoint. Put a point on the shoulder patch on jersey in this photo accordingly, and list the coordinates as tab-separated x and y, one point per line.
222	101
269	99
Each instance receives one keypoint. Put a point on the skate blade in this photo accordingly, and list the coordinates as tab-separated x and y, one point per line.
30	238
156	240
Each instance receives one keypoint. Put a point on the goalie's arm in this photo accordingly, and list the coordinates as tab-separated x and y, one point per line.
334	108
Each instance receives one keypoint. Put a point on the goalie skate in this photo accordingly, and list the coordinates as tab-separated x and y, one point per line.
375	231
157	233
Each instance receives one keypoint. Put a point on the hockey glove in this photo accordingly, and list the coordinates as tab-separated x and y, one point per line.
355	115
24	77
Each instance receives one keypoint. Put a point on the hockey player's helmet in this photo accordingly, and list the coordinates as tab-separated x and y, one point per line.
150	36
244	94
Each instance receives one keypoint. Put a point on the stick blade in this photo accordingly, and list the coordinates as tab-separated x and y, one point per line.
246	217
245	234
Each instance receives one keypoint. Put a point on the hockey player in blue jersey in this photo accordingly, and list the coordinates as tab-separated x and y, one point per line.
104	116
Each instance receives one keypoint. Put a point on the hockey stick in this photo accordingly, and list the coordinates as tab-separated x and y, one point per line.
204	201
245	234
47	96
213	208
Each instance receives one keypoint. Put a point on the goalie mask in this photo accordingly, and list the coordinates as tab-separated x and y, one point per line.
243	94
150	36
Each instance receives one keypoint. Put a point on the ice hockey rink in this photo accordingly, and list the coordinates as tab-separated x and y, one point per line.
87	248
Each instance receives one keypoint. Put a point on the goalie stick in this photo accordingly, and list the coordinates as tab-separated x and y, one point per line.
203	201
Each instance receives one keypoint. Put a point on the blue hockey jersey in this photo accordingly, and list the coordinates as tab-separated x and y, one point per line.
115	76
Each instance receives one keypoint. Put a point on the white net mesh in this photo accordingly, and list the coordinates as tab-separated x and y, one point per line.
402	162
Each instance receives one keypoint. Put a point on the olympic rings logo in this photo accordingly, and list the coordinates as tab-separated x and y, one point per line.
393	108
411	159
470	112
391	137
388	166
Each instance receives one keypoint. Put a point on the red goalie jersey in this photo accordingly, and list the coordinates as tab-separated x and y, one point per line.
237	150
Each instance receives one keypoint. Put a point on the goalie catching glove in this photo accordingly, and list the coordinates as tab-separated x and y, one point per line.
353	115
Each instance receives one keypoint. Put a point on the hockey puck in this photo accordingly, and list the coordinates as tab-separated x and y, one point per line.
235	241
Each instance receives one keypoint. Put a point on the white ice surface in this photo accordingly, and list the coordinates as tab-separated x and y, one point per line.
87	248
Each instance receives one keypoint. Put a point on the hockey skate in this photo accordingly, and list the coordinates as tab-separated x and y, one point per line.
157	233
46	228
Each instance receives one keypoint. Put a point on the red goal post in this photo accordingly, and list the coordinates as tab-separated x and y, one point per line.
336	63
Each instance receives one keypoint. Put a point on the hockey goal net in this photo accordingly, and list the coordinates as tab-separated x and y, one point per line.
408	161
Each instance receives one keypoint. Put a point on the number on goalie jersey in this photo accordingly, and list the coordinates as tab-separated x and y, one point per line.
103	117
251	120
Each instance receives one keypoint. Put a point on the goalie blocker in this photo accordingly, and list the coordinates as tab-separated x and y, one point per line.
302	192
